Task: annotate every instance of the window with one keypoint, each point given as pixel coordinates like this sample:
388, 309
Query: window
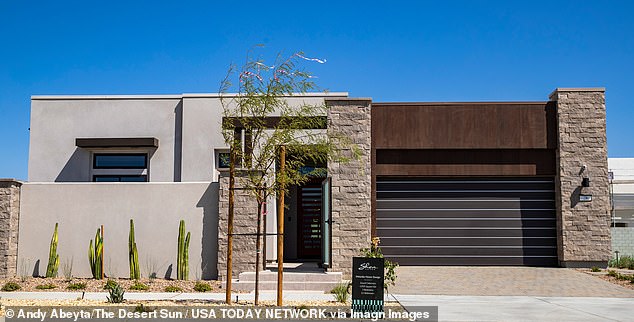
122, 178
120, 161
223, 159
120, 167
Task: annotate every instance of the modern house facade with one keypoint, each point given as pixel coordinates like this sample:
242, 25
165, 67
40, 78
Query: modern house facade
500, 183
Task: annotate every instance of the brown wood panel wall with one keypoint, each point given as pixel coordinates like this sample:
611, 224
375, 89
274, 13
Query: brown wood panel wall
464, 125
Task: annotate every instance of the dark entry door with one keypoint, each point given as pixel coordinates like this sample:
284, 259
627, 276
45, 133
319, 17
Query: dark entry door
309, 220
484, 221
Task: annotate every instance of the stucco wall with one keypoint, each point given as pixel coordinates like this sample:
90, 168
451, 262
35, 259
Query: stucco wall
80, 208
56, 123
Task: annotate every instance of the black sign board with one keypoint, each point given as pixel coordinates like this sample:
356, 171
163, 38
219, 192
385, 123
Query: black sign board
367, 284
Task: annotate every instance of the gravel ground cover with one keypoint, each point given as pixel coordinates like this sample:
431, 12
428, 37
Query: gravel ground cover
30, 284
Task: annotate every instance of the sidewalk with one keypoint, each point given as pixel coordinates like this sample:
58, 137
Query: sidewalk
450, 308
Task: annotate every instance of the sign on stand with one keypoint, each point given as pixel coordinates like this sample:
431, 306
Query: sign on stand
367, 284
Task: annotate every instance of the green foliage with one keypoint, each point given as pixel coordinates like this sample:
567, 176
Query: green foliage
95, 256
619, 276
173, 289
341, 292
623, 262
182, 259
202, 287
140, 308
139, 287
67, 269
10, 287
53, 257
109, 284
374, 251
133, 255
116, 294
262, 92
595, 269
49, 286
76, 286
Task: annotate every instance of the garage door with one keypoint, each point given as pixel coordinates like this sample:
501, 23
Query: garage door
467, 221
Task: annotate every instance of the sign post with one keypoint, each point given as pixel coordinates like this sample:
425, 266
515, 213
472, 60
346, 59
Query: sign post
367, 284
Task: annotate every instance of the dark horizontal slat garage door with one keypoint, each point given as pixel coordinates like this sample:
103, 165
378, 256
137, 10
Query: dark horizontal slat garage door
467, 221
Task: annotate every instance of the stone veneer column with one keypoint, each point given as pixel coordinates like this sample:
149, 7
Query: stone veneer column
244, 222
583, 228
9, 219
351, 182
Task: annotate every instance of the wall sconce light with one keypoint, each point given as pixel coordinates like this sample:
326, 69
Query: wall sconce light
585, 182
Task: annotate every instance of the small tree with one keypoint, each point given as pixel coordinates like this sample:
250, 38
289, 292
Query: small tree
260, 112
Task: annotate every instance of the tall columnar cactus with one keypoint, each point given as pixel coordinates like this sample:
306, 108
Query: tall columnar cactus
53, 257
135, 272
182, 260
95, 255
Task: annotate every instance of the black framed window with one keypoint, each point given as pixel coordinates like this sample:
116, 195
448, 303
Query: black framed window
120, 161
119, 178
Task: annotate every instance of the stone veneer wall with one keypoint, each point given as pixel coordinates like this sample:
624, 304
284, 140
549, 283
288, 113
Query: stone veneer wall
244, 222
351, 182
9, 219
583, 228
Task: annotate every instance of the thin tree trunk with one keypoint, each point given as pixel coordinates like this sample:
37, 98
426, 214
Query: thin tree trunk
280, 230
258, 244
232, 169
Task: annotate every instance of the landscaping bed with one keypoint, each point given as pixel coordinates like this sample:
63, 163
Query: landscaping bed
621, 277
36, 284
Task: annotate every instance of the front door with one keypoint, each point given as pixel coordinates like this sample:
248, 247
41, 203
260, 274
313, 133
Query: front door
309, 220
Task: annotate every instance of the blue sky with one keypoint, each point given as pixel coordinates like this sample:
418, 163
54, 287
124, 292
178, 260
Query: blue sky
387, 50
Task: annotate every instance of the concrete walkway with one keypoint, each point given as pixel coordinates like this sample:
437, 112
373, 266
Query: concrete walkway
450, 308
498, 281
523, 308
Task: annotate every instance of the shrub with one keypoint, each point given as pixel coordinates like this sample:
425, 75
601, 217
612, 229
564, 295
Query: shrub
140, 308
76, 286
139, 287
10, 287
612, 273
116, 294
390, 267
109, 285
624, 262
341, 292
595, 269
202, 287
49, 286
173, 289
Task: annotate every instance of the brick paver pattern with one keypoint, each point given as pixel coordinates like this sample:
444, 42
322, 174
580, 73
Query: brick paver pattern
502, 281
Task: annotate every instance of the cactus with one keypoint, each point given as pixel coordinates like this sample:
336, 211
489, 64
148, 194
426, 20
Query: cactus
95, 256
182, 260
135, 272
53, 257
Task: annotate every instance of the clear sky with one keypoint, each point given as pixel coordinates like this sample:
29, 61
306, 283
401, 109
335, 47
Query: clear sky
387, 50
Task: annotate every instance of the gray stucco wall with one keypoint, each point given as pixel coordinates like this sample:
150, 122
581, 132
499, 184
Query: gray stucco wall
80, 208
56, 123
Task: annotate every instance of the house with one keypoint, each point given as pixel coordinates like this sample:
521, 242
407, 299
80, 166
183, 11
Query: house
480, 183
622, 204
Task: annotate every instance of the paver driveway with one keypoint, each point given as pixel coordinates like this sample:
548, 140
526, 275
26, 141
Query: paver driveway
528, 281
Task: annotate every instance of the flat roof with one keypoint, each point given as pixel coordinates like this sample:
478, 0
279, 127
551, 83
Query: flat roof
170, 96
